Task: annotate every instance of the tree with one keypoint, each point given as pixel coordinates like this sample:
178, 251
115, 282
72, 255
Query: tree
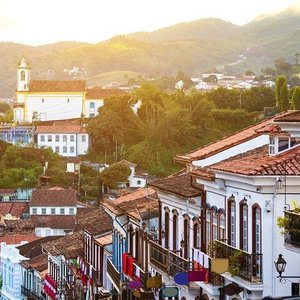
281, 93
282, 67
115, 174
249, 73
296, 98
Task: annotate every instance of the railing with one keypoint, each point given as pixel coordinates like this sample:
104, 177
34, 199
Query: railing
30, 294
142, 272
96, 276
113, 273
168, 261
245, 265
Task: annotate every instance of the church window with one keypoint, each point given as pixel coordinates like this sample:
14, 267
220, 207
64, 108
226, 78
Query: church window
22, 75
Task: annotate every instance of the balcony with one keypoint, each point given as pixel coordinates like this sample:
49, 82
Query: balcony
245, 265
113, 273
30, 294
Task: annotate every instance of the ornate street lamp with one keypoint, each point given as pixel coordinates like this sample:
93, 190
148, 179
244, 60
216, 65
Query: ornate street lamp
280, 265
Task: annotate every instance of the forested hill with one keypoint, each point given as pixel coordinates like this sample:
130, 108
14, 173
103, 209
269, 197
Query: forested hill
192, 47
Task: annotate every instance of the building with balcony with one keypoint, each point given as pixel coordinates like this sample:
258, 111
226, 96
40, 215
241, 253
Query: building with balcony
135, 224
242, 184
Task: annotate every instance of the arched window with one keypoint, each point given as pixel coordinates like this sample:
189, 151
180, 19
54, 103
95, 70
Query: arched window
22, 75
244, 225
207, 227
175, 229
231, 222
214, 225
256, 229
186, 227
196, 235
222, 226
167, 221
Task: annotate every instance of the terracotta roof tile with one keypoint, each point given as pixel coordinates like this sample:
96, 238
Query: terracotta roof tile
179, 184
96, 222
98, 93
39, 263
259, 162
105, 240
293, 116
16, 209
50, 86
54, 197
71, 246
229, 141
15, 239
144, 201
60, 129
204, 173
34, 248
55, 221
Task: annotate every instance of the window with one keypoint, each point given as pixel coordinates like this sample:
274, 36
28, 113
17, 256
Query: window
42, 138
34, 211
83, 138
49, 138
92, 106
64, 138
256, 231
68, 100
71, 211
52, 211
272, 145
207, 227
167, 216
22, 77
72, 139
57, 149
44, 211
72, 149
283, 143
244, 226
138, 182
196, 232
175, 225
294, 141
231, 222
222, 226
62, 211
214, 226
65, 149
43, 100
92, 115
186, 246
57, 138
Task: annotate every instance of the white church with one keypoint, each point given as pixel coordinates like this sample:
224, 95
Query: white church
48, 100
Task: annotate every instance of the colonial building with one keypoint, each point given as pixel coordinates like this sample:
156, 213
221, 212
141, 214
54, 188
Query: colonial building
53, 209
55, 99
68, 140
244, 182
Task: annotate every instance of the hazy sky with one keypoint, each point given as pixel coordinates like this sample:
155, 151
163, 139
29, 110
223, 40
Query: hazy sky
37, 22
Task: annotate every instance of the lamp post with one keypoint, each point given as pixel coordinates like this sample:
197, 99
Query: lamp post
280, 265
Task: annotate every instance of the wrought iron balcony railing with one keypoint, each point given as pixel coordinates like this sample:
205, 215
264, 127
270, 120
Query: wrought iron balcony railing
245, 265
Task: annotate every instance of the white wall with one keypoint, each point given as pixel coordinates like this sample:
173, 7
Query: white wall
88, 111
54, 106
47, 231
57, 210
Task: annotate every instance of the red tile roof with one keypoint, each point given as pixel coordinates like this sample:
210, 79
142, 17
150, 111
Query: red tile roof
259, 162
60, 129
55, 221
179, 184
39, 263
50, 86
229, 141
16, 209
142, 201
15, 239
98, 93
54, 197
294, 116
